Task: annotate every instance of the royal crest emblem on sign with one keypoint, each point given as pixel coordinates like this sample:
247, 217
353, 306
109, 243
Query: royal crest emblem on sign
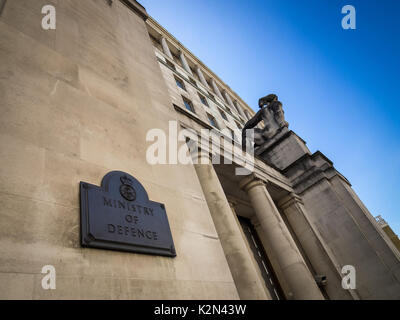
126, 189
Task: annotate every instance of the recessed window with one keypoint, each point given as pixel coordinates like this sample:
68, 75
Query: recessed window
188, 104
223, 115
203, 100
212, 121
180, 83
238, 125
232, 134
170, 64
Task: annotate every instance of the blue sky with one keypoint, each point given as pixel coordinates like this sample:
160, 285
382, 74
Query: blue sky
339, 88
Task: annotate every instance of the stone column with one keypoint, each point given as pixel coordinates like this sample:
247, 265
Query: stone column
184, 63
238, 257
229, 100
201, 77
216, 90
232, 204
166, 48
293, 266
239, 108
320, 257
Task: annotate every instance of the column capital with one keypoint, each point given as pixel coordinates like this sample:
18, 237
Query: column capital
290, 200
250, 182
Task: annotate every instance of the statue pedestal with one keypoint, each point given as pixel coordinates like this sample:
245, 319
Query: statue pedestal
283, 149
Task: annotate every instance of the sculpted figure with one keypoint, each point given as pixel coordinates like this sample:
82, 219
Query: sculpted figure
272, 114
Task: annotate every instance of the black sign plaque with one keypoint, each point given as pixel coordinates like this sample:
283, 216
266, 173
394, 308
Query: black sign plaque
119, 216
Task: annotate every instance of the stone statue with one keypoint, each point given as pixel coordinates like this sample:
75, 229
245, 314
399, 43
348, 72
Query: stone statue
272, 114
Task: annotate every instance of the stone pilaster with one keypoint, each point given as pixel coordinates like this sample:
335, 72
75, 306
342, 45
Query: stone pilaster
165, 47
229, 100
216, 89
293, 266
318, 254
184, 63
239, 108
238, 257
233, 204
201, 77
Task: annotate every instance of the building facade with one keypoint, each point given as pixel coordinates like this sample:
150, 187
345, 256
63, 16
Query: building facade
389, 232
79, 101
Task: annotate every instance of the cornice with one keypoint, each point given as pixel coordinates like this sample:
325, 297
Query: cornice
137, 8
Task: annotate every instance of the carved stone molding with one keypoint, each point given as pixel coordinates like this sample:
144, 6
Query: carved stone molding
136, 7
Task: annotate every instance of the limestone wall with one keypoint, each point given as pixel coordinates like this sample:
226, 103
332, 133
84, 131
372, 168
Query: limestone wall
75, 104
349, 230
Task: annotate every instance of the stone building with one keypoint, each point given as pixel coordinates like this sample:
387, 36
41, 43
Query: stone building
78, 102
389, 231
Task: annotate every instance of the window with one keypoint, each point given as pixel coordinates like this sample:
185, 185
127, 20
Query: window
232, 134
203, 100
211, 96
223, 115
238, 125
170, 64
188, 104
180, 83
212, 121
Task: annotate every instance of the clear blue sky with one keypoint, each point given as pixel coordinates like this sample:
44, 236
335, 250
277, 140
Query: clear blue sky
339, 88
